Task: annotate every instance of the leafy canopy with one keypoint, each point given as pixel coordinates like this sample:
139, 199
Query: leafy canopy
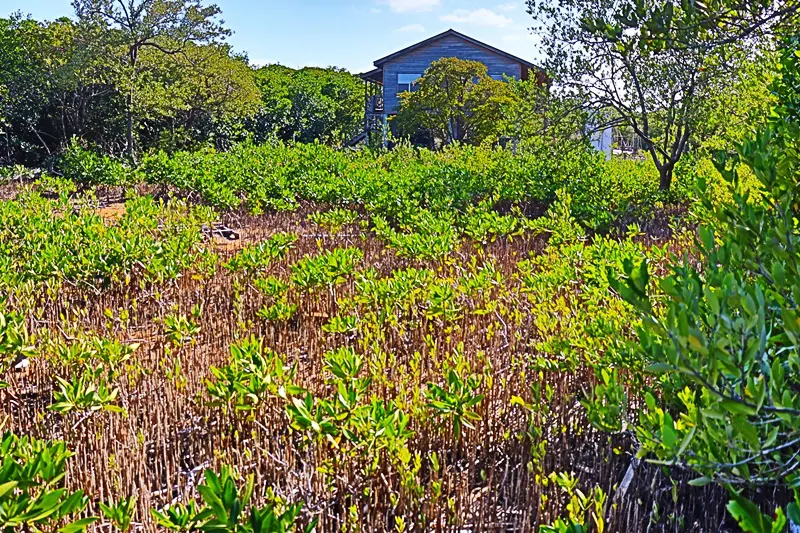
602, 53
455, 100
308, 104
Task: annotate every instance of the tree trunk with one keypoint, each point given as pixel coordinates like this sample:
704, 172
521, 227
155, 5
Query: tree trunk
129, 126
129, 148
665, 177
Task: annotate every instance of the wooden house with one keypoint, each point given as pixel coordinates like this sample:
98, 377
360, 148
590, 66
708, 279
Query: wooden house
397, 72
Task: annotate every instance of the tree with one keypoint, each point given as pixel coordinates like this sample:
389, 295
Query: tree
309, 104
455, 100
22, 86
274, 116
678, 24
737, 110
206, 93
63, 80
166, 26
538, 119
56, 86
724, 350
601, 52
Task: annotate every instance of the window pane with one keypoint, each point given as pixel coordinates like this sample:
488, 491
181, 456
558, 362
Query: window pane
407, 79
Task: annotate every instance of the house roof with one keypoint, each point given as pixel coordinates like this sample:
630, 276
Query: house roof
375, 75
453, 33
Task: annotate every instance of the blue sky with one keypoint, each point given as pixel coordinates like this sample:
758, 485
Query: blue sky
346, 33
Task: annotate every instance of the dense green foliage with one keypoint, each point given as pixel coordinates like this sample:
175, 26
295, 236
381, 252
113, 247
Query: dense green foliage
455, 100
456, 182
165, 80
309, 104
151, 242
52, 87
199, 97
62, 81
161, 28
723, 340
32, 493
727, 340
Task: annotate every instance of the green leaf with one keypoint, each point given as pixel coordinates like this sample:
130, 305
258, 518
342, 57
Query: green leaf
213, 502
6, 487
779, 523
748, 515
640, 277
793, 512
78, 525
736, 407
687, 439
706, 237
660, 368
668, 435
779, 273
650, 401
700, 481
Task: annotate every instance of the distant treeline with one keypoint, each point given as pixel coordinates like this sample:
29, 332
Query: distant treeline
125, 91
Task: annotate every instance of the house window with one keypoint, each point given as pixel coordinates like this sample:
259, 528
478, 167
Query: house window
407, 82
498, 77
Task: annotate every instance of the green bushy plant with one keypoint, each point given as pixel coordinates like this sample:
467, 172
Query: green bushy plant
580, 507
226, 508
424, 236
334, 219
728, 340
153, 241
724, 344
120, 513
327, 269
254, 375
88, 168
459, 182
455, 400
257, 257
32, 493
15, 341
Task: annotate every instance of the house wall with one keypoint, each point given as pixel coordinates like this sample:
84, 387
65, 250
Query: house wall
417, 61
602, 141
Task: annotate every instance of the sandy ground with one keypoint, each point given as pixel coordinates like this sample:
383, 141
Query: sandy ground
111, 213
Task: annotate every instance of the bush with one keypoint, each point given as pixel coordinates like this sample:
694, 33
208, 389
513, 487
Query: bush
458, 182
88, 168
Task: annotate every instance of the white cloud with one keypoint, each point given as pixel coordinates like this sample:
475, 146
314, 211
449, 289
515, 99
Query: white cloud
510, 6
478, 17
409, 6
411, 28
374, 10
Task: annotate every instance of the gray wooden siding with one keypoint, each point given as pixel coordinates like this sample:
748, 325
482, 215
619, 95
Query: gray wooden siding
417, 61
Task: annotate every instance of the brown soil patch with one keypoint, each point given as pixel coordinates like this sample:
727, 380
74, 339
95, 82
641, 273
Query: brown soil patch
111, 213
8, 191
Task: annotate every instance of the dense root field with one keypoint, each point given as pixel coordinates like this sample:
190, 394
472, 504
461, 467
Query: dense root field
385, 393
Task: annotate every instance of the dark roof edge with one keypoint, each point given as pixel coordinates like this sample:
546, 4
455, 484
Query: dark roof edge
372, 75
454, 33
